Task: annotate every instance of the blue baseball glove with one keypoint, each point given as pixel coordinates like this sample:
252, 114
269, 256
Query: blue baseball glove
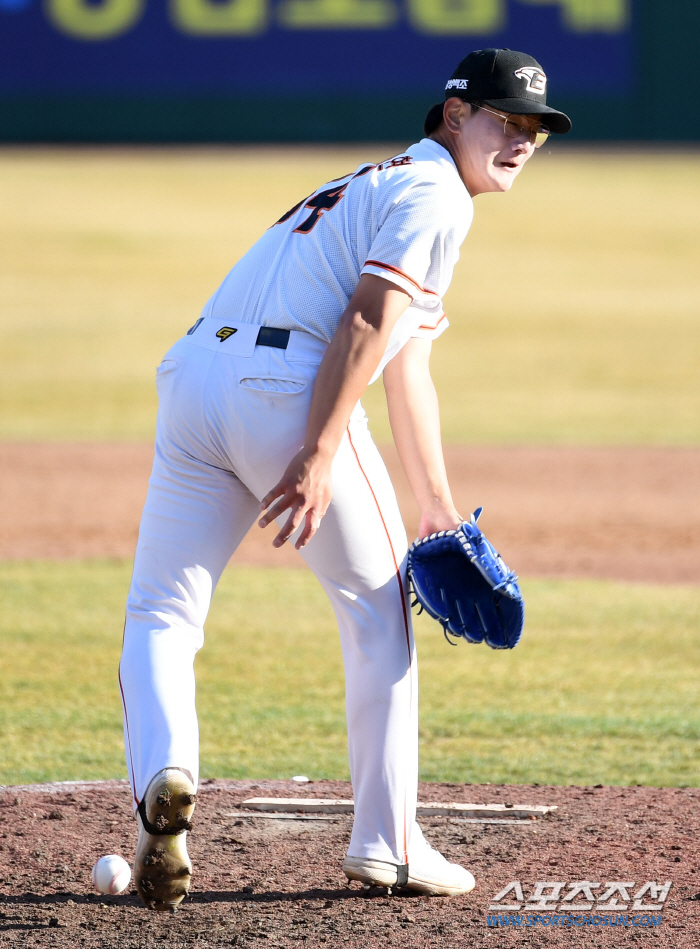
461, 581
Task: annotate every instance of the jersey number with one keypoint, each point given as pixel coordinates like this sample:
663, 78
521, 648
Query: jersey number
323, 201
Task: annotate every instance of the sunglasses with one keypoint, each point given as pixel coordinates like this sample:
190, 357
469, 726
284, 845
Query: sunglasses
516, 125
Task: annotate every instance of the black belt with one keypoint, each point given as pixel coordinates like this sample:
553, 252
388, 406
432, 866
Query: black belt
279, 339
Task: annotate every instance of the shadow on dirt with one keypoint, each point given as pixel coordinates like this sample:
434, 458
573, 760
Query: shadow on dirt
210, 896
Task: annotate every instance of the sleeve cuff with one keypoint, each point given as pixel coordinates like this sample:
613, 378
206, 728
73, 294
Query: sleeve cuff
431, 327
395, 275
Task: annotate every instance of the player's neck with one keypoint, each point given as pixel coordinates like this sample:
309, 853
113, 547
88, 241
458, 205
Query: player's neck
443, 137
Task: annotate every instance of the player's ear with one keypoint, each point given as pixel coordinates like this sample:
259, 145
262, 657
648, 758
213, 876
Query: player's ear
455, 112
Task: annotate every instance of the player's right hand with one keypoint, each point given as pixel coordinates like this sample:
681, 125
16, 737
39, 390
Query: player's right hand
306, 490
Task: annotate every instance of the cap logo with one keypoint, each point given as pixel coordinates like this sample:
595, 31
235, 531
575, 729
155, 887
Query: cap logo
457, 84
535, 79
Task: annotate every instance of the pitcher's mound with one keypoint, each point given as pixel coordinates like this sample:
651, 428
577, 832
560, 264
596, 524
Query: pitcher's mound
268, 881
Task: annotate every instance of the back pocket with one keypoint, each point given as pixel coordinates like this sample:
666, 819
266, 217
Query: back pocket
268, 384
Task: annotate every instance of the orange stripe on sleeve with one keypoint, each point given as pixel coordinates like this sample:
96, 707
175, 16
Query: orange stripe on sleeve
426, 327
392, 269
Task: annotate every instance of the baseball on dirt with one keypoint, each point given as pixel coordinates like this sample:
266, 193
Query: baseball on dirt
111, 874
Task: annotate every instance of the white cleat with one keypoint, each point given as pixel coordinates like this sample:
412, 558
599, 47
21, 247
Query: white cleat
428, 873
162, 867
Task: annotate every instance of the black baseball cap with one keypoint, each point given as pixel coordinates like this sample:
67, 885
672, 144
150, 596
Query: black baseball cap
505, 80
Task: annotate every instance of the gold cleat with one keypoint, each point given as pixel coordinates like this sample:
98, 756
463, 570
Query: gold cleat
162, 867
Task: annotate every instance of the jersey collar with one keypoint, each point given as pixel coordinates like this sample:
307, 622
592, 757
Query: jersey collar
431, 150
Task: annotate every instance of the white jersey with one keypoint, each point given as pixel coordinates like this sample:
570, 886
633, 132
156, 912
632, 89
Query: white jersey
403, 220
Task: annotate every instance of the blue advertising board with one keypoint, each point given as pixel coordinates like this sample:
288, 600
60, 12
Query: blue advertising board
302, 47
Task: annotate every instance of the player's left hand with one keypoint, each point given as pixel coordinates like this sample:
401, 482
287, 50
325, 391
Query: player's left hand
306, 489
439, 518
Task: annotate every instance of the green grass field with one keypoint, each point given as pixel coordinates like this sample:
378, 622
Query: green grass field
575, 315
603, 687
575, 309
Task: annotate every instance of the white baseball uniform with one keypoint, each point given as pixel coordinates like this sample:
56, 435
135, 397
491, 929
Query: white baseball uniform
232, 415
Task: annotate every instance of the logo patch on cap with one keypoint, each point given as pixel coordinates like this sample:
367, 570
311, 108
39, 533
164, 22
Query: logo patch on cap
457, 84
535, 79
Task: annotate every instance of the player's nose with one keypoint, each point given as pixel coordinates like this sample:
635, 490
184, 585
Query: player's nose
522, 144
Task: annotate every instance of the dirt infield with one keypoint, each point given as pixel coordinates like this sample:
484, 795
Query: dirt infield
279, 882
619, 513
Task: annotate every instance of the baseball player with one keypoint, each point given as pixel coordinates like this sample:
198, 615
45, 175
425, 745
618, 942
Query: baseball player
260, 419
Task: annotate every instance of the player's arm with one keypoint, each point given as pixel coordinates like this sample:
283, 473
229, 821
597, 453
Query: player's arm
348, 364
415, 423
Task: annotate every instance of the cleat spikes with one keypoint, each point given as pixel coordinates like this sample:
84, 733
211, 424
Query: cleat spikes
162, 867
182, 822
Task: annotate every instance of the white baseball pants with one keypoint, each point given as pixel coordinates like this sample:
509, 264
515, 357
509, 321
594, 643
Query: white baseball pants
232, 415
